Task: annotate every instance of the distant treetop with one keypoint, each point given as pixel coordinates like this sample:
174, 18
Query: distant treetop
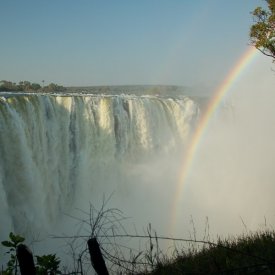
26, 86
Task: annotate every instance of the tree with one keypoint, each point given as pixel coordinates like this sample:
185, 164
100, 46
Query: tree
54, 88
262, 33
35, 86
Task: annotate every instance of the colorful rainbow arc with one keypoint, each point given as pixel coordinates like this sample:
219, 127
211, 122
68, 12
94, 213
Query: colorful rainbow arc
190, 154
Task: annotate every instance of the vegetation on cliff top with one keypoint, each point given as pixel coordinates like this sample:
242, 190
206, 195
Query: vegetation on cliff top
253, 253
248, 254
26, 86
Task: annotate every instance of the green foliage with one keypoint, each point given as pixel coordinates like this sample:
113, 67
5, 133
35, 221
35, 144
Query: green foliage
262, 33
12, 243
47, 264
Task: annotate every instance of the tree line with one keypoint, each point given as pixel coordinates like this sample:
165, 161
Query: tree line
26, 86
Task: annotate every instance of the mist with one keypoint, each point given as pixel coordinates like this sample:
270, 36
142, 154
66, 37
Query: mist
230, 186
232, 178
231, 181
229, 189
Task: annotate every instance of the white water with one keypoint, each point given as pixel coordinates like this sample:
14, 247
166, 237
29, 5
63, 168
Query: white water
59, 152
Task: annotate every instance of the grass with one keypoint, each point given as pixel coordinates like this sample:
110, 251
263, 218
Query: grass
248, 254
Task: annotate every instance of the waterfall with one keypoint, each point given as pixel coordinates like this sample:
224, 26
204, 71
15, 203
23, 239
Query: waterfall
52, 146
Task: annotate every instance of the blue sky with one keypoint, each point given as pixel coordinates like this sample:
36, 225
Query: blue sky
121, 42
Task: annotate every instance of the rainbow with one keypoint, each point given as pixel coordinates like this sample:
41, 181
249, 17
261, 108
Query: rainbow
192, 149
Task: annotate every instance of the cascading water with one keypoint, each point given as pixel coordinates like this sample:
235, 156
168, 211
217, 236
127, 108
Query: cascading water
56, 148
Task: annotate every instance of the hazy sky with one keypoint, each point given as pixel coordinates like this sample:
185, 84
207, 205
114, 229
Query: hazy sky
101, 42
